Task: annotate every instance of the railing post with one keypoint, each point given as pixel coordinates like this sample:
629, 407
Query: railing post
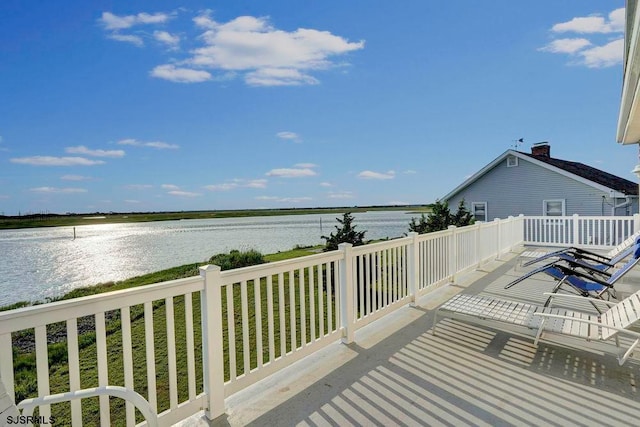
346, 293
212, 353
636, 223
510, 238
498, 237
414, 267
576, 230
521, 227
453, 252
478, 226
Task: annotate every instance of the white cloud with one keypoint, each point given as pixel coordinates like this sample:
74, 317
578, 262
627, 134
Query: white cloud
410, 172
132, 201
56, 161
127, 38
306, 165
238, 183
340, 195
604, 56
57, 190
591, 52
170, 187
111, 21
326, 184
566, 45
81, 149
221, 187
75, 178
246, 45
294, 199
179, 193
170, 40
156, 144
291, 172
268, 56
256, 183
292, 136
138, 186
376, 175
285, 199
594, 24
279, 77
180, 75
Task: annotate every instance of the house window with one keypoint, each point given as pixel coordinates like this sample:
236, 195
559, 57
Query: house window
512, 161
479, 211
553, 207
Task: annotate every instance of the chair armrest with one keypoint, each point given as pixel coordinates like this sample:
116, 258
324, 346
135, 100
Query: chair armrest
571, 272
579, 297
28, 405
579, 263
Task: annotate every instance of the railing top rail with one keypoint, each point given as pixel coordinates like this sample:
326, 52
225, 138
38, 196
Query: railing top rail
380, 246
581, 217
58, 311
261, 270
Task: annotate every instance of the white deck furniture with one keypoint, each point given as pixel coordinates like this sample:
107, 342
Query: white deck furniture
614, 322
10, 413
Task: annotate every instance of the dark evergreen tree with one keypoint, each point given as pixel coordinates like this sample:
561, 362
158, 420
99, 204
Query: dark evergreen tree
441, 218
419, 226
463, 216
345, 233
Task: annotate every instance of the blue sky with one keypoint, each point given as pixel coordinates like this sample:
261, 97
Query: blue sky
161, 105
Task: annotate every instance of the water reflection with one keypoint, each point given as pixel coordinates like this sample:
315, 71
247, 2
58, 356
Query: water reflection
46, 262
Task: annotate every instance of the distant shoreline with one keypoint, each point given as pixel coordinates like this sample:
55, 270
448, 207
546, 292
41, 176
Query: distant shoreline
66, 220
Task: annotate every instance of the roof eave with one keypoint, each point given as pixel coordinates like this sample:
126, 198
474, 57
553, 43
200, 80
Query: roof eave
628, 131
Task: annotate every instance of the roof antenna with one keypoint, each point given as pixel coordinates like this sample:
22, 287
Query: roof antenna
517, 142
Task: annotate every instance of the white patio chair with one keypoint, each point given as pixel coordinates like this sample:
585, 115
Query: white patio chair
22, 413
490, 311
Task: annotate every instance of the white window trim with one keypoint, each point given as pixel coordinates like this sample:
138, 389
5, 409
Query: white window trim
484, 205
544, 206
512, 161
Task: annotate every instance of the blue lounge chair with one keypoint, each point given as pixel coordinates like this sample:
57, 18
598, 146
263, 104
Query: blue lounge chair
619, 253
585, 279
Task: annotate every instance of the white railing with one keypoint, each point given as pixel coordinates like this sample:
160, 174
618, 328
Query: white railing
583, 231
210, 336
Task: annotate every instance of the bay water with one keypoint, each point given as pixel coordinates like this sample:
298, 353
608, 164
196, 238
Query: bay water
39, 263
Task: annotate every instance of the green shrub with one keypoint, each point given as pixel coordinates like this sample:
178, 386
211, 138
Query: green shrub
237, 259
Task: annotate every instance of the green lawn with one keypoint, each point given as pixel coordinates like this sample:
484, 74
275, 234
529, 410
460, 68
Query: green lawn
24, 361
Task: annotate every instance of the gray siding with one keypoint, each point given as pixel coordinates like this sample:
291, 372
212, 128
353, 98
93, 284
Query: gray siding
521, 190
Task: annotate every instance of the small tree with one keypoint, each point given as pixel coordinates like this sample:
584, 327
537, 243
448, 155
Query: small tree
346, 233
441, 218
463, 216
419, 226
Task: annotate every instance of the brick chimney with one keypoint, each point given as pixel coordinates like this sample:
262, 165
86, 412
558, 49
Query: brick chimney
541, 149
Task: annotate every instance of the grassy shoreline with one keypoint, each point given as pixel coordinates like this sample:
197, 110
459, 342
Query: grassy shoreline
56, 220
25, 357
173, 273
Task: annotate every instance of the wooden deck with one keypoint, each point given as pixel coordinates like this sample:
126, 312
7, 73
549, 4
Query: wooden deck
398, 373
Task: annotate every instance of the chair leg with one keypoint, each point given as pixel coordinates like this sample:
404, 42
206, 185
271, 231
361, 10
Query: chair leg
629, 352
